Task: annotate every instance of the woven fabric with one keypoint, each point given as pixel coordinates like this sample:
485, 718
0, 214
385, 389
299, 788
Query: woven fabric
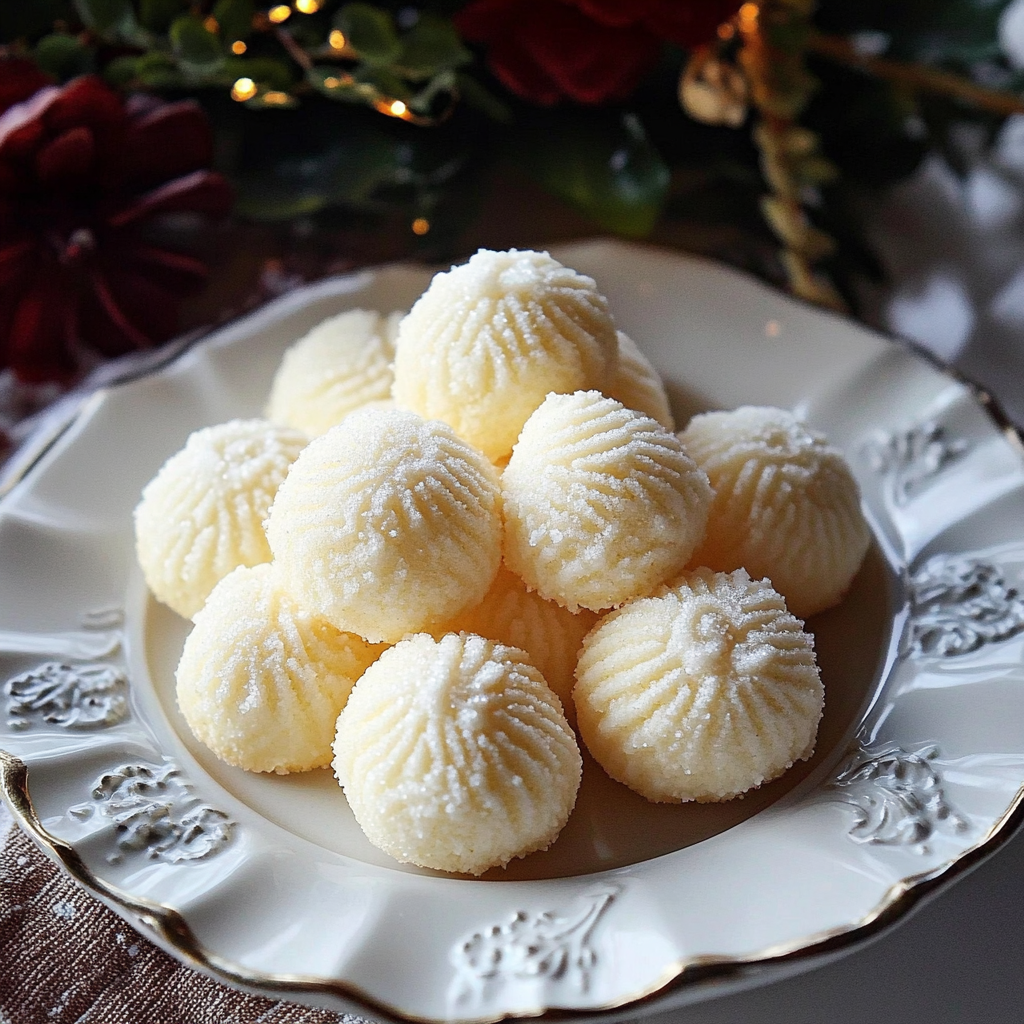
66, 959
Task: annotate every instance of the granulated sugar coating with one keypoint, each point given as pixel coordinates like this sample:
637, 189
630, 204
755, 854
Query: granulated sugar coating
342, 364
202, 514
456, 755
489, 339
260, 681
387, 524
601, 503
701, 692
786, 505
638, 385
549, 634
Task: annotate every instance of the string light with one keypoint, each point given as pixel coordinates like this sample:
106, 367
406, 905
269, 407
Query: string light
279, 14
748, 15
420, 226
726, 30
337, 40
307, 6
238, 47
243, 89
211, 25
275, 98
331, 82
397, 108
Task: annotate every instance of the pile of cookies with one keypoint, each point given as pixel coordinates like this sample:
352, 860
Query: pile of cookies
463, 534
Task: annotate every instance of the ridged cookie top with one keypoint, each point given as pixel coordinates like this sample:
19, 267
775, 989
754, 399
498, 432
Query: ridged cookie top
638, 385
601, 502
387, 524
343, 363
489, 339
202, 514
456, 755
550, 634
701, 692
786, 504
260, 681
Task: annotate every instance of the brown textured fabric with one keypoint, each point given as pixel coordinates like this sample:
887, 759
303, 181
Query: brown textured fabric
66, 959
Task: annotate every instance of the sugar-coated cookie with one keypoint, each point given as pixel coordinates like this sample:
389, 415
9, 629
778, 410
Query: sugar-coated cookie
701, 692
489, 339
202, 514
342, 364
387, 524
638, 385
261, 682
601, 503
786, 504
455, 754
550, 634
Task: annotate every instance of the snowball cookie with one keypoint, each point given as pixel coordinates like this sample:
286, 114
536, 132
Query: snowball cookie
549, 634
202, 514
488, 340
701, 692
786, 505
637, 384
601, 502
456, 755
261, 681
387, 524
342, 364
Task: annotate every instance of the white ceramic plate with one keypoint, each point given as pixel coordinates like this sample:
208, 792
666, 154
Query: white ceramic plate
268, 882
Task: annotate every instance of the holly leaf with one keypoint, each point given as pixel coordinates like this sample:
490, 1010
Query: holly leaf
370, 32
198, 49
430, 46
234, 18
604, 166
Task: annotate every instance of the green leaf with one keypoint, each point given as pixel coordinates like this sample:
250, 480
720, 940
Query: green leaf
122, 71
62, 56
370, 32
267, 71
430, 46
157, 15
385, 81
158, 71
198, 49
606, 167
112, 19
234, 18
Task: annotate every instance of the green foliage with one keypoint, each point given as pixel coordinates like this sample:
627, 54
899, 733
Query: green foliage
370, 32
157, 15
603, 165
430, 46
110, 19
198, 49
62, 56
234, 18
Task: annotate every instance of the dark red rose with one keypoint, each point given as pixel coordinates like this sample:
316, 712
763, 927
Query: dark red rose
584, 50
84, 179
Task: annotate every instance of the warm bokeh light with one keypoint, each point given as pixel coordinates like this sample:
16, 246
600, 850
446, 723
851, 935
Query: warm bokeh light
337, 39
397, 108
332, 82
726, 30
772, 329
275, 98
211, 25
243, 89
748, 16
420, 226
280, 13
238, 47
307, 6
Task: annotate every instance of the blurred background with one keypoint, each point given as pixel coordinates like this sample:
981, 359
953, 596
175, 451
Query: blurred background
167, 164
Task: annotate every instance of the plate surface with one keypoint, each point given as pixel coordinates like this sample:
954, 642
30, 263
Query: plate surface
268, 882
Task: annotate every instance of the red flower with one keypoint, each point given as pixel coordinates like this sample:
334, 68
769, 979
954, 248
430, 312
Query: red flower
586, 50
84, 179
